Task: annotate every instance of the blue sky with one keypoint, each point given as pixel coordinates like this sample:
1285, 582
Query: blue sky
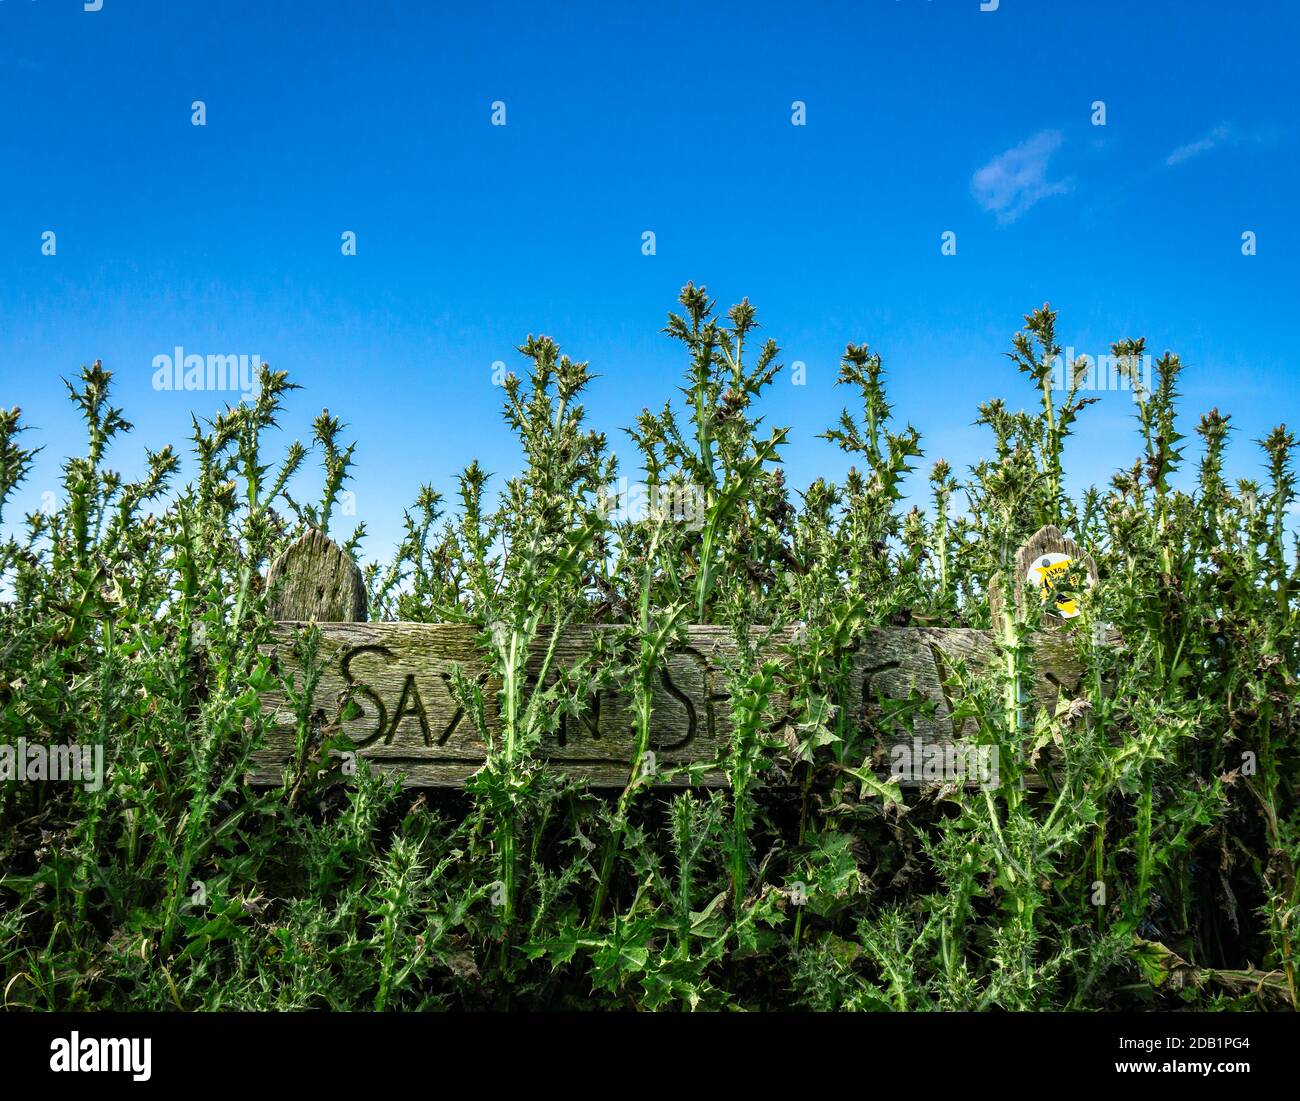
921, 118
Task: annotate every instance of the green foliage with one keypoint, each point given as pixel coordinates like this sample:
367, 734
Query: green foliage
1139, 847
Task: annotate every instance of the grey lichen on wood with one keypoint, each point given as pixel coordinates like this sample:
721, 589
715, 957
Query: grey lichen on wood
316, 579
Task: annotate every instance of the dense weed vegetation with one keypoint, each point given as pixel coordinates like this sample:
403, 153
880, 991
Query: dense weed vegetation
1155, 867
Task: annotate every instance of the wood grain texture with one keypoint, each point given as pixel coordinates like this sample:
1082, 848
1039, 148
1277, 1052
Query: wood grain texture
405, 718
316, 579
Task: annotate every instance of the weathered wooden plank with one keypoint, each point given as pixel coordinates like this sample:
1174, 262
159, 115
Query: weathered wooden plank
398, 676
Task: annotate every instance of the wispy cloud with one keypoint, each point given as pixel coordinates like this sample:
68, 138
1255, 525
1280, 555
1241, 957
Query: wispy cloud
1223, 134
1215, 137
1014, 181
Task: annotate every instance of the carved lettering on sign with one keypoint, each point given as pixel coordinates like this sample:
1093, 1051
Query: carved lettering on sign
388, 687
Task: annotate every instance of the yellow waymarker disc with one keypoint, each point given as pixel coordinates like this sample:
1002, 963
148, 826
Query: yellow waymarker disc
1053, 565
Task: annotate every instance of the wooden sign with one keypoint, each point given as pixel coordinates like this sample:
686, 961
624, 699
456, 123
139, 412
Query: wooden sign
388, 688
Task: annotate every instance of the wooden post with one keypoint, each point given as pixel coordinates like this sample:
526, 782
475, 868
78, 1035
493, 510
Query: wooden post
316, 579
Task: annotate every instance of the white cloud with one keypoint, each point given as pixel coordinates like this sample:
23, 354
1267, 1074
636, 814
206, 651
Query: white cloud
1223, 134
1217, 136
1014, 181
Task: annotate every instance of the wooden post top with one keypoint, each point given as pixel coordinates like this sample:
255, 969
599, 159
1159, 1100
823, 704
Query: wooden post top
315, 578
